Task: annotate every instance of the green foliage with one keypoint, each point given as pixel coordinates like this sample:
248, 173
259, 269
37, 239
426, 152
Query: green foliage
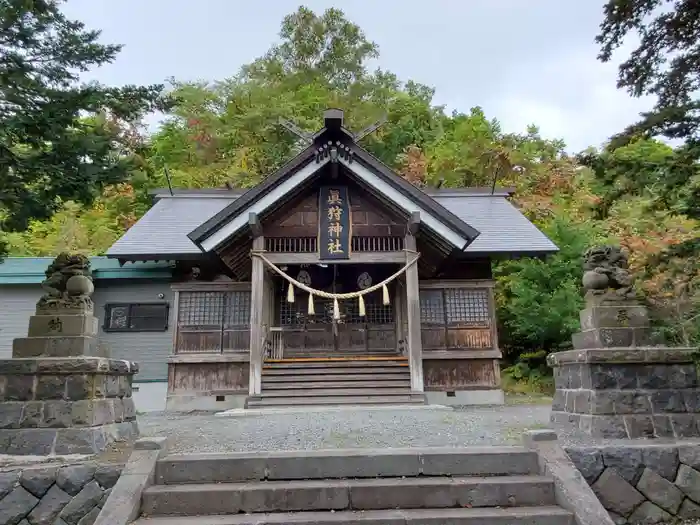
49, 151
528, 364
530, 373
669, 177
539, 300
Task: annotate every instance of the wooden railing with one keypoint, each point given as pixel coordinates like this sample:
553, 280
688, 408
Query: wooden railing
275, 344
310, 244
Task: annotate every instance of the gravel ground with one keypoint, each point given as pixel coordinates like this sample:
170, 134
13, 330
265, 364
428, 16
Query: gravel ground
346, 429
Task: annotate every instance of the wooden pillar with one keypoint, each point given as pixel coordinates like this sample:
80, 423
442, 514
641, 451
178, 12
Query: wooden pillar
494, 334
257, 299
175, 320
398, 312
415, 346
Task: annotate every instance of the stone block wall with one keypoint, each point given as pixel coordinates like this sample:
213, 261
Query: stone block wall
65, 406
56, 494
627, 393
643, 483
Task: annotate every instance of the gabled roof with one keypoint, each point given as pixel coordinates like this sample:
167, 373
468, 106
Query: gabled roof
187, 223
359, 163
205, 230
162, 231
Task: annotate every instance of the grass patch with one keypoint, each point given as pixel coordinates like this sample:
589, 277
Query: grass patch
527, 399
527, 392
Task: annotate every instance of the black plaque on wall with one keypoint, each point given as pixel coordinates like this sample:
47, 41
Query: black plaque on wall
334, 224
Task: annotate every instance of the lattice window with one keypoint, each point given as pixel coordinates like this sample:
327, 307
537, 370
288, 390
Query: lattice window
376, 312
214, 308
237, 309
200, 308
467, 306
432, 307
296, 313
450, 306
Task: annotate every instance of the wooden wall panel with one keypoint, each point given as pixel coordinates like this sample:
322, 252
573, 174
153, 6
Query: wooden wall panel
300, 219
208, 378
440, 375
467, 269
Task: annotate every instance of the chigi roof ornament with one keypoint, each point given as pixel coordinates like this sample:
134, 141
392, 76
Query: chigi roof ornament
333, 122
334, 151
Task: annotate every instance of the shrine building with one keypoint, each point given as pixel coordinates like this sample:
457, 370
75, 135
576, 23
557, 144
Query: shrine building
333, 281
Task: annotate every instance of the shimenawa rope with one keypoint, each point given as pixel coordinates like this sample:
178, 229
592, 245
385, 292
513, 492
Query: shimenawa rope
336, 296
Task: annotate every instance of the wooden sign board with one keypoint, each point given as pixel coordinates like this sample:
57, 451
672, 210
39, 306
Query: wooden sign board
334, 223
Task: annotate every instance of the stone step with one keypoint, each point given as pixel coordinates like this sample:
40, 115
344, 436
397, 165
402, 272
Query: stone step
341, 464
341, 382
347, 494
333, 391
359, 351
340, 363
279, 402
540, 515
399, 376
333, 370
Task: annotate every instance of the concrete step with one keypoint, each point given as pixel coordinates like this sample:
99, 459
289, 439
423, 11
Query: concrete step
278, 402
343, 464
321, 376
341, 383
541, 515
333, 370
348, 494
335, 392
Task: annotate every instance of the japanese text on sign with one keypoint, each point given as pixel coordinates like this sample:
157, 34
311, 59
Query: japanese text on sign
334, 223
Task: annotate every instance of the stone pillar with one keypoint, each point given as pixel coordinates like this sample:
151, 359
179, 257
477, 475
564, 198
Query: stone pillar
616, 383
60, 393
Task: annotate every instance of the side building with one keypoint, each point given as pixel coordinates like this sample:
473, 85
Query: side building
133, 303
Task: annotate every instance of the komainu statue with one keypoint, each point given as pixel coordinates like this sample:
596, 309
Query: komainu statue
68, 283
606, 275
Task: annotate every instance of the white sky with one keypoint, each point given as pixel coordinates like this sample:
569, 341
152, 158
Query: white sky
524, 62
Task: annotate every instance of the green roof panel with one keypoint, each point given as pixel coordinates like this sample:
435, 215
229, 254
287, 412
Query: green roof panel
30, 270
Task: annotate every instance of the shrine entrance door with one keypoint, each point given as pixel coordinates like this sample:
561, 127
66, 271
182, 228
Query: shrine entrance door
320, 334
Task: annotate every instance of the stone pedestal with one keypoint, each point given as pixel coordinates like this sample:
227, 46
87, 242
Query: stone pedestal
59, 405
61, 393
615, 385
56, 332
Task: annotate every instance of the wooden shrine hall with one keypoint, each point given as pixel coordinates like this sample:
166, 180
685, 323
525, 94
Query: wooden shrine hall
333, 281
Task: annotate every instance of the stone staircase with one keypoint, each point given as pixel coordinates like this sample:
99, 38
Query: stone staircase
471, 486
358, 381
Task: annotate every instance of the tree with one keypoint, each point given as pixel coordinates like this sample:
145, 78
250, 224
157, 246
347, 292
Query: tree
329, 48
539, 300
59, 140
665, 64
231, 126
